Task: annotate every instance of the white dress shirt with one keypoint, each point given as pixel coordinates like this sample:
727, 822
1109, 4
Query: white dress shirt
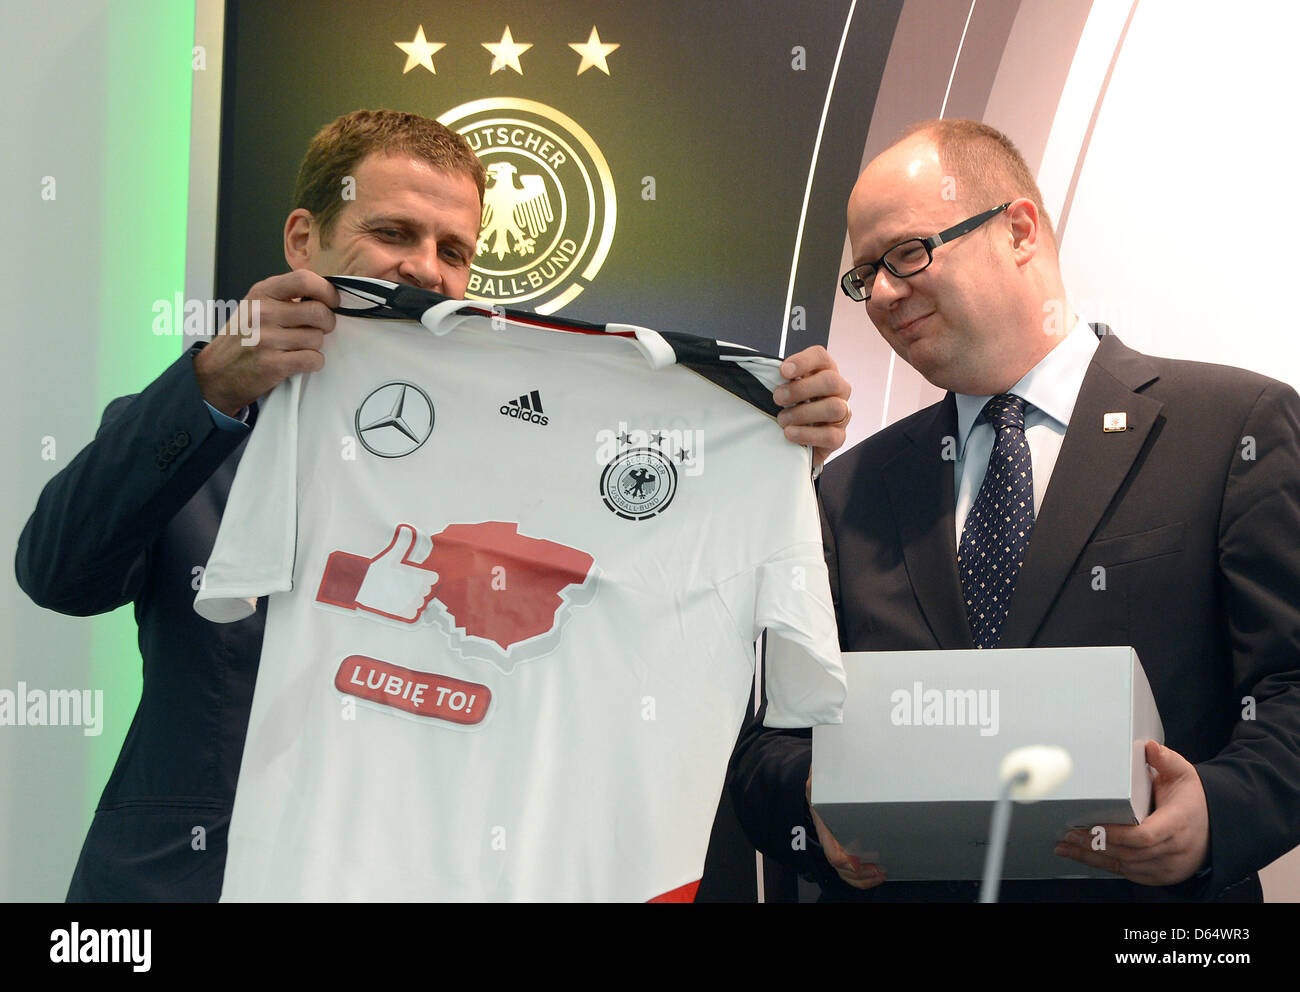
1049, 390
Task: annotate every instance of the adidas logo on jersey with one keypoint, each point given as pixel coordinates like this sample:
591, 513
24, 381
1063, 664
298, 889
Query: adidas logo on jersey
527, 408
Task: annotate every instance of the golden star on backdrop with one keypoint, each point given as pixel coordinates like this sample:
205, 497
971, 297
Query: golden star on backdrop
593, 52
419, 52
506, 52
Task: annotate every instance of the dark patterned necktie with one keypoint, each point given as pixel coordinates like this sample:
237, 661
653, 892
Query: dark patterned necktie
996, 535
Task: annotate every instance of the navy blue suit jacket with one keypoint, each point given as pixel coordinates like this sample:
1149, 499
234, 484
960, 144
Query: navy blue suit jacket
1194, 513
128, 521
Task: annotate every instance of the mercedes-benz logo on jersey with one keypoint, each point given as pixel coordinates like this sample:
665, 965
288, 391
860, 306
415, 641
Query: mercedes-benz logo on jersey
394, 419
549, 209
638, 483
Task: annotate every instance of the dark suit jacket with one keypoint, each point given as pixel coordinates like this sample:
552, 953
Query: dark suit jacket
1194, 512
128, 521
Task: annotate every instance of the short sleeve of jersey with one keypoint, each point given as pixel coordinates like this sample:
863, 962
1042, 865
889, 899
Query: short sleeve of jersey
254, 552
805, 681
788, 594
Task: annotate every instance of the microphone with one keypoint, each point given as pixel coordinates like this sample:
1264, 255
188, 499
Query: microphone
1028, 774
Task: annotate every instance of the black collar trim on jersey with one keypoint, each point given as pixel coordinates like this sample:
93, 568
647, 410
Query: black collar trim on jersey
717, 362
410, 303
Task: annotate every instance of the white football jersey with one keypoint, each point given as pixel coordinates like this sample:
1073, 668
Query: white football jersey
515, 568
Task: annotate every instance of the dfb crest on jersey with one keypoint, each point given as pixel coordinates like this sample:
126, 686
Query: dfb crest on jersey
395, 419
549, 209
638, 483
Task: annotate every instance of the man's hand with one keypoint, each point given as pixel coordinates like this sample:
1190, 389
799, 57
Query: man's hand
848, 867
1170, 845
237, 367
816, 402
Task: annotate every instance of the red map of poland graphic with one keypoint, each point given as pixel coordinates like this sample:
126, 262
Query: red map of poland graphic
495, 583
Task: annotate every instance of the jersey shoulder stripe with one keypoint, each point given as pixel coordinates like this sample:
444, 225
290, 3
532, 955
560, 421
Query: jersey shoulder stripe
743, 372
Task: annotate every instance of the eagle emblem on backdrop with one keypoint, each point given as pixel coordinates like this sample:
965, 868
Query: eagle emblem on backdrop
516, 209
549, 209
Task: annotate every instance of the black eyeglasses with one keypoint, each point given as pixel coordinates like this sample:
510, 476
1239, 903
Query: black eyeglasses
908, 258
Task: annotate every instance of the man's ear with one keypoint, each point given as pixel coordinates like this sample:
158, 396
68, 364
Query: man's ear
1025, 231
301, 238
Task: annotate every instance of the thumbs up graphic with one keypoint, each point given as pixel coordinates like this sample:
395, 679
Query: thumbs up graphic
391, 584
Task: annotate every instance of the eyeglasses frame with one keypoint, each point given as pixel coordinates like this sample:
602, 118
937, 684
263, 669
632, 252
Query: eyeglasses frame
929, 244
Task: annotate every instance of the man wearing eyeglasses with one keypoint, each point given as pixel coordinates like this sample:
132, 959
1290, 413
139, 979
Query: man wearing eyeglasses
983, 520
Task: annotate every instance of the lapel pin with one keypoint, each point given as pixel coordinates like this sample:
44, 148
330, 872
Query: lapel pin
1111, 422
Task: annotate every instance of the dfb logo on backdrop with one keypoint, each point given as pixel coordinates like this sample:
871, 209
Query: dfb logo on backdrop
549, 210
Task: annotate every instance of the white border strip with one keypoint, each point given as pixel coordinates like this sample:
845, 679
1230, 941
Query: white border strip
956, 58
205, 153
1087, 94
760, 646
812, 170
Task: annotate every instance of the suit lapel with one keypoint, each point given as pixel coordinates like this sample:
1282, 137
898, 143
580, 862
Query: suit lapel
919, 481
1089, 471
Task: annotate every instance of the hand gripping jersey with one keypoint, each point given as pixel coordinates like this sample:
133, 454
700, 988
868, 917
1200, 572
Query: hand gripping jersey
515, 570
